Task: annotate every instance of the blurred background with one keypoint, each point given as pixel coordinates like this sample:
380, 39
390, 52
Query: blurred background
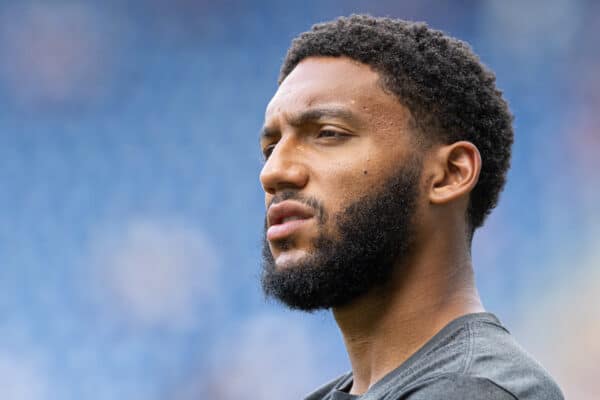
131, 211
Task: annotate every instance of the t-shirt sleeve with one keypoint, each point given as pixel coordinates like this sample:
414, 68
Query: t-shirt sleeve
457, 387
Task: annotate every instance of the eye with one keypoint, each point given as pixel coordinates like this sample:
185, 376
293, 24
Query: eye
329, 133
268, 150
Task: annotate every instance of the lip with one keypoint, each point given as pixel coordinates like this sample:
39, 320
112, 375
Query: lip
286, 209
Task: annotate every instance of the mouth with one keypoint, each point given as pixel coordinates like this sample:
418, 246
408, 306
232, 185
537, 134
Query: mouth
286, 218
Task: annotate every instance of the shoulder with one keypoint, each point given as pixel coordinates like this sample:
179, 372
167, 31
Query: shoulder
457, 387
496, 356
475, 358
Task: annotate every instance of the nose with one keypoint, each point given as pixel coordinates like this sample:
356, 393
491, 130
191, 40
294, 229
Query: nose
284, 169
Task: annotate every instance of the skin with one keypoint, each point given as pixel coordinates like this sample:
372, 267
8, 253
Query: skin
332, 132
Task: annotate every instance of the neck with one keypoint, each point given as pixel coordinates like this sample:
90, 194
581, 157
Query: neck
383, 328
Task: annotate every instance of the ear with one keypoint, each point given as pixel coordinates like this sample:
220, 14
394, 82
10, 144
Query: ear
456, 170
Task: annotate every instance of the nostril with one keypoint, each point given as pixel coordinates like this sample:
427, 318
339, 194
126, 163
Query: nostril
269, 190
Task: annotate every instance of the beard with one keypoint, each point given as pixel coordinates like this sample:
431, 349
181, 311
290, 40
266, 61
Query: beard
373, 236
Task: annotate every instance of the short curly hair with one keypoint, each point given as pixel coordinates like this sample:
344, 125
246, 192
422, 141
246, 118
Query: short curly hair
451, 95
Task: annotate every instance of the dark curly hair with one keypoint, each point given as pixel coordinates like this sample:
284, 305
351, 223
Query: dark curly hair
451, 95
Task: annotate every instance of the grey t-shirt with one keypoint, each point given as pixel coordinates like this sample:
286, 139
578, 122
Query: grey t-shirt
473, 357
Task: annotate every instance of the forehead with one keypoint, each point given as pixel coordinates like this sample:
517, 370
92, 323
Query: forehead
332, 81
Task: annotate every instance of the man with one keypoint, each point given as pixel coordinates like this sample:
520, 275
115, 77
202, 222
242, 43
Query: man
386, 145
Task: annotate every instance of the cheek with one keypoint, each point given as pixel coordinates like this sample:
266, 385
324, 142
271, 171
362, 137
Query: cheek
357, 172
345, 185
363, 173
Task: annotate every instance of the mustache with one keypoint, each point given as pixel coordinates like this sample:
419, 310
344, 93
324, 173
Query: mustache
309, 201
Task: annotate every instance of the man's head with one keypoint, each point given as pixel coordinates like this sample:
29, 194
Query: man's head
379, 129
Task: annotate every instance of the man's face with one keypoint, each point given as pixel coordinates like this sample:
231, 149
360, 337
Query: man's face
341, 184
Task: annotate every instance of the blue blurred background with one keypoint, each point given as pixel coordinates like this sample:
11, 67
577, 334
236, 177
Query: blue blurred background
131, 211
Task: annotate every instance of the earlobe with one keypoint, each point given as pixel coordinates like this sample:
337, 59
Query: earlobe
456, 172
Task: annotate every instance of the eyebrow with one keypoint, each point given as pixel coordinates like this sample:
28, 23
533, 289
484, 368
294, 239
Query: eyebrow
312, 115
